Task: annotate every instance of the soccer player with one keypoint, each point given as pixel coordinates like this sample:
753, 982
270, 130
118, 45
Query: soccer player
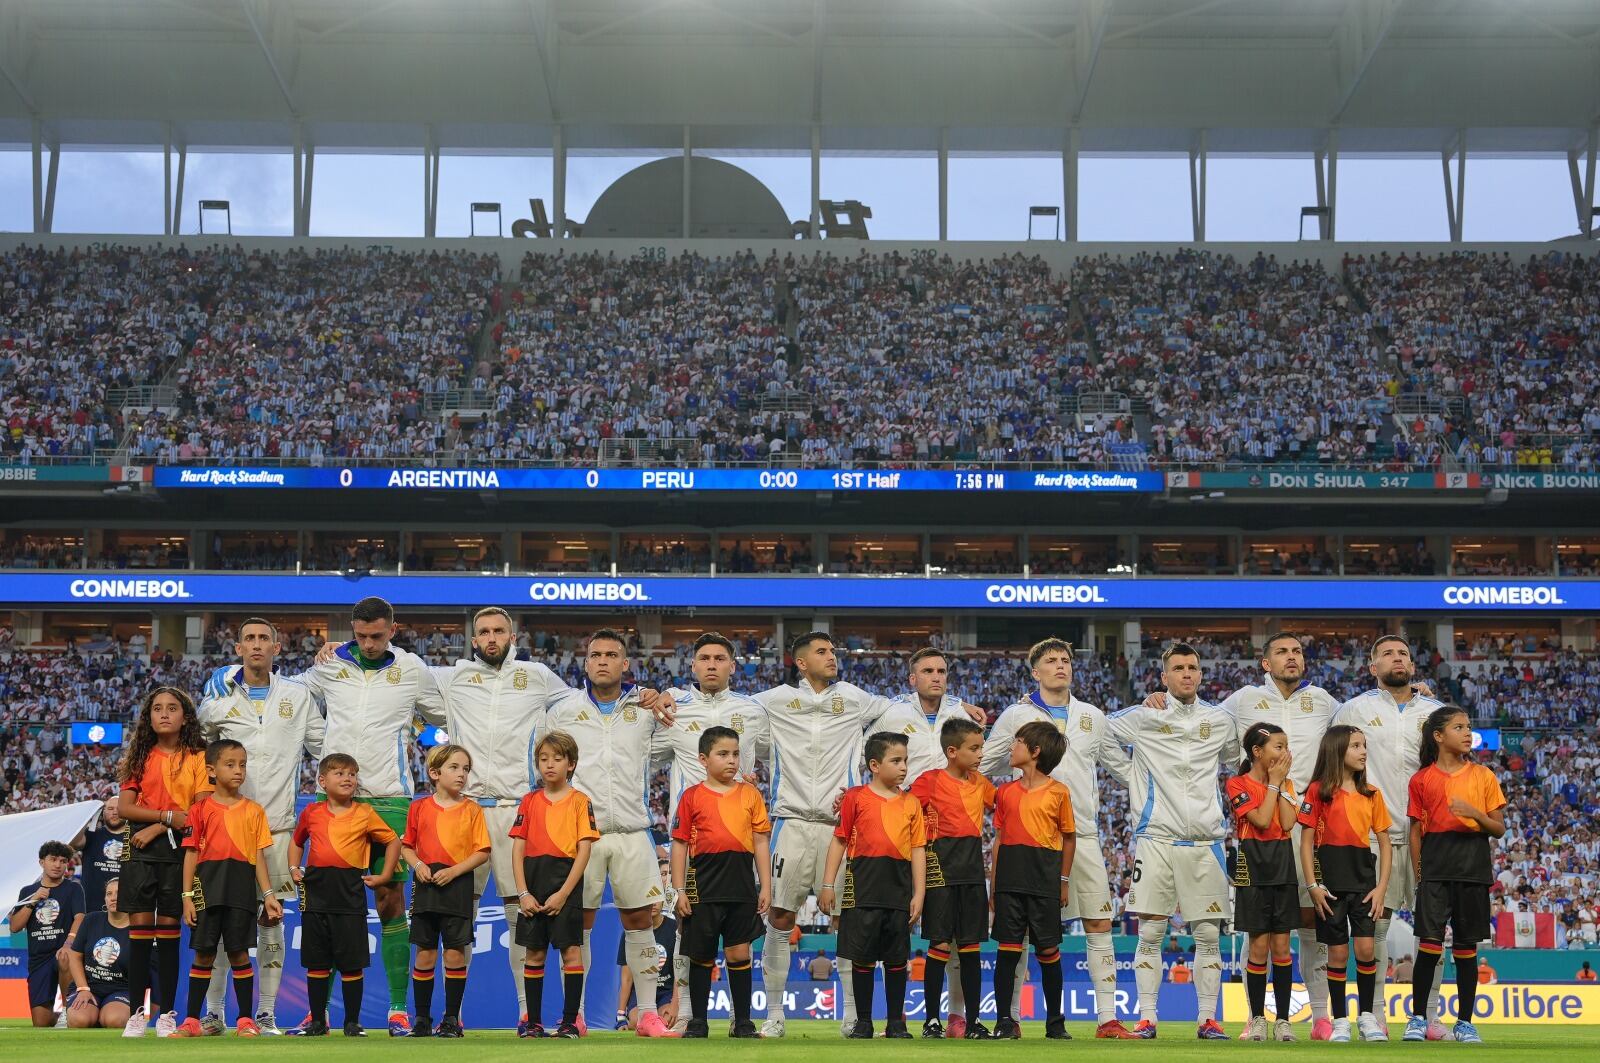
880, 829
1262, 799
615, 732
49, 911
552, 836
920, 712
277, 722
1178, 856
163, 774
1089, 745
98, 962
335, 838
722, 873
1392, 716
955, 910
1348, 819
1455, 806
1034, 838
445, 841
1285, 699
226, 873
707, 702
816, 724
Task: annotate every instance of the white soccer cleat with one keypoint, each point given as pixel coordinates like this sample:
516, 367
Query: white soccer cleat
1282, 1031
772, 1028
1255, 1029
212, 1024
136, 1025
166, 1024
1371, 1028
1341, 1032
61, 1018
267, 1024
680, 1024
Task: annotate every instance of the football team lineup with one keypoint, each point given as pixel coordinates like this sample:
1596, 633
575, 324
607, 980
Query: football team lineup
1343, 815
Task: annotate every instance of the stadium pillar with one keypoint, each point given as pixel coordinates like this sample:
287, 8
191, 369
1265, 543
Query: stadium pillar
176, 214
48, 221
816, 181
166, 182
1069, 186
558, 181
1333, 184
38, 175
1197, 186
1455, 199
944, 183
688, 168
430, 183
1583, 186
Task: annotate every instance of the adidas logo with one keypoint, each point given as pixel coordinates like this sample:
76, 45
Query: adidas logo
655, 891
1105, 907
1215, 907
1142, 965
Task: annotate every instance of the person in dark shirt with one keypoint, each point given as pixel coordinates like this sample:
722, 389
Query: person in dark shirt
49, 911
98, 962
100, 850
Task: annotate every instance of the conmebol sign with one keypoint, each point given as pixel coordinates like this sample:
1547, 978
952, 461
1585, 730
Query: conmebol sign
33, 589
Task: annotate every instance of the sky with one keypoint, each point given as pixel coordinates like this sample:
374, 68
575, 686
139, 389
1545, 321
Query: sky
1144, 199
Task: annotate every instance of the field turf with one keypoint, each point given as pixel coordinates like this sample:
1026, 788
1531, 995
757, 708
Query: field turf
806, 1042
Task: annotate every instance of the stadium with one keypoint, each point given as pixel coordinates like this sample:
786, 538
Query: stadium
721, 316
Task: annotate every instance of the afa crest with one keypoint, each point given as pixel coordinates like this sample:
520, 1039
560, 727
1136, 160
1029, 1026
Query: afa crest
286, 709
1306, 703
836, 705
737, 723
392, 676
1205, 729
519, 680
1084, 725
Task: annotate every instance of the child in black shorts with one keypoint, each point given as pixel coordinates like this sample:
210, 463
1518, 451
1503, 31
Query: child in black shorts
1267, 896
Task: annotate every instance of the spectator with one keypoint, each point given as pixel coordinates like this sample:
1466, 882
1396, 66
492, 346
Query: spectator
821, 968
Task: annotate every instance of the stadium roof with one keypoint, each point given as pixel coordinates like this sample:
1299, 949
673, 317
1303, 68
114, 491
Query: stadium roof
986, 76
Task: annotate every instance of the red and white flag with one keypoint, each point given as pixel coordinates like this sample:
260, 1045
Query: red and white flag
1526, 930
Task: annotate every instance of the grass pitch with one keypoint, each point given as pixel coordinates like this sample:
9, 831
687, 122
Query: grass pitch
1537, 1043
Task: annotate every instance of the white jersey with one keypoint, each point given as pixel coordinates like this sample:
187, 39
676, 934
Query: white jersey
1394, 746
907, 717
495, 714
613, 754
1089, 742
371, 714
1304, 715
816, 745
694, 710
1176, 754
276, 732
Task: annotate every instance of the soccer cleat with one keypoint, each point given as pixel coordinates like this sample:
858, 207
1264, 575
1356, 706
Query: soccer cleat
1113, 1030
857, 1031
772, 1028
354, 1029
567, 1031
531, 1029
423, 1028
896, 1029
1467, 1034
136, 1025
1282, 1031
267, 1024
1145, 1030
1056, 1030
522, 1025
399, 1024
188, 1028
1211, 1030
696, 1030
246, 1027
449, 1026
1341, 1032
317, 1028
299, 1031
680, 1025
581, 1026
166, 1024
650, 1025
1006, 1029
976, 1031
742, 1029
61, 1018
1416, 1029
212, 1024
956, 1028
1321, 1029
1436, 1031
622, 1021
931, 1030
1371, 1029
1255, 1029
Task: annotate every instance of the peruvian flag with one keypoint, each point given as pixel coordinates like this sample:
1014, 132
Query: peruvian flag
1526, 930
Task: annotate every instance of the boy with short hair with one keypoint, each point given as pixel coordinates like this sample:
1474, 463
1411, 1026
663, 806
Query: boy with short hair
552, 835
719, 855
955, 912
223, 870
881, 831
335, 837
446, 839
50, 910
1035, 839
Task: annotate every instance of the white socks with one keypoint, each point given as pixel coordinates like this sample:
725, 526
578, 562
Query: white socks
1022, 980
644, 960
516, 952
1102, 963
680, 978
269, 966
952, 986
583, 998
1147, 970
1380, 956
1208, 966
775, 970
1314, 966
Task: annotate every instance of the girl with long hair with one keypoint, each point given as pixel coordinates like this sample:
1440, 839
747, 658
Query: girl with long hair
1267, 904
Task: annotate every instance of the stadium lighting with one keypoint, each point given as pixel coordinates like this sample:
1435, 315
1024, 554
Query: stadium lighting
1044, 212
215, 204
485, 208
1321, 214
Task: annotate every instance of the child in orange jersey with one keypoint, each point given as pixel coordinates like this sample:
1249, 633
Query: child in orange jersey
722, 872
445, 839
1035, 839
882, 832
223, 870
1266, 905
552, 835
163, 773
336, 837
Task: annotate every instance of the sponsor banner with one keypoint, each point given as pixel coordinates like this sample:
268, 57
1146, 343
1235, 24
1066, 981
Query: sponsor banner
1501, 1003
1333, 480
12, 475
672, 480
28, 589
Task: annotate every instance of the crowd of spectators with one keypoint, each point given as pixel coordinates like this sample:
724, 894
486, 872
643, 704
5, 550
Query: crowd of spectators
1549, 858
